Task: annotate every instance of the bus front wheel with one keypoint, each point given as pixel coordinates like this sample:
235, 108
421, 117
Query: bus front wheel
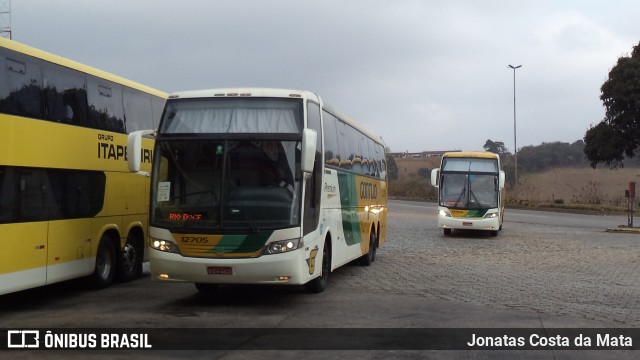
319, 284
447, 231
105, 264
130, 261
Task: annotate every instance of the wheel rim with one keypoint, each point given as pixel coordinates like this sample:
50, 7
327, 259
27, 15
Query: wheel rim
129, 257
104, 264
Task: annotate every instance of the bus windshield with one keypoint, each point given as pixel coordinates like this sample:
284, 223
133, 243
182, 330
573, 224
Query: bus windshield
234, 185
469, 191
228, 164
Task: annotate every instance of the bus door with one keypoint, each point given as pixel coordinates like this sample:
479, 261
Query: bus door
67, 199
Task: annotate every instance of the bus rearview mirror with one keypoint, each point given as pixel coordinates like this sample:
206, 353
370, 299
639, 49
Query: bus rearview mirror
134, 149
435, 174
309, 141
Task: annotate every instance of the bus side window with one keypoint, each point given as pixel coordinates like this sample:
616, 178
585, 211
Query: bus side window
138, 112
7, 194
65, 95
105, 105
313, 190
21, 93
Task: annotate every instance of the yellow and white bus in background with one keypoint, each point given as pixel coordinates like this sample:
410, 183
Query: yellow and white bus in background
262, 186
470, 191
69, 207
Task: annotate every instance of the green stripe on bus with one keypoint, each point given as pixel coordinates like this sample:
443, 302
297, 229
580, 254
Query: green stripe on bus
241, 243
477, 213
349, 204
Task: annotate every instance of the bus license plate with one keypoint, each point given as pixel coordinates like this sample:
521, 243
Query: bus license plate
466, 223
219, 270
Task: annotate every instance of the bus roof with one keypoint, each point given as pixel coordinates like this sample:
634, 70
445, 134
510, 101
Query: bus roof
355, 124
59, 60
471, 154
273, 92
245, 92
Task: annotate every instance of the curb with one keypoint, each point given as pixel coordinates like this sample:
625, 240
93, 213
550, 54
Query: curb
625, 230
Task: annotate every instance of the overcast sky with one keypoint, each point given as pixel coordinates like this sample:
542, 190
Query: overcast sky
426, 75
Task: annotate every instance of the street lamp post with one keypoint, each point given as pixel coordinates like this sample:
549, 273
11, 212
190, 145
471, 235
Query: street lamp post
515, 143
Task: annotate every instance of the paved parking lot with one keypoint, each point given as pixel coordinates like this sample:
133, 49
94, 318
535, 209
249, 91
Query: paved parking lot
542, 271
580, 271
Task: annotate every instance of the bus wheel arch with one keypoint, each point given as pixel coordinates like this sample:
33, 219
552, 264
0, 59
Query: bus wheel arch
129, 265
319, 284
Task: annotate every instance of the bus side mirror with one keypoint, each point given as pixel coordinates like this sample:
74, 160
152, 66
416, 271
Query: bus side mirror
309, 141
501, 180
435, 176
134, 149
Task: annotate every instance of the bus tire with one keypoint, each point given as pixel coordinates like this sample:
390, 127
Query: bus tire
319, 284
130, 260
447, 231
494, 233
105, 267
370, 256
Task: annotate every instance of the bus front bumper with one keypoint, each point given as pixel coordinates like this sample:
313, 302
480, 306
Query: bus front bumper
492, 224
287, 268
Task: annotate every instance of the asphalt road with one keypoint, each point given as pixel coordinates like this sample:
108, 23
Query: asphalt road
543, 271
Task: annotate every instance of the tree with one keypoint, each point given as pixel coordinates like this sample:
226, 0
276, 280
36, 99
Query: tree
618, 134
392, 167
424, 173
496, 147
549, 155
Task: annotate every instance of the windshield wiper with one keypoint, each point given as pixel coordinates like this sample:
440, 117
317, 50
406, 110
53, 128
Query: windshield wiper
475, 198
464, 191
252, 224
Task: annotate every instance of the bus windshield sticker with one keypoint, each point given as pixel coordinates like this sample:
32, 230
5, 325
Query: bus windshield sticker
164, 189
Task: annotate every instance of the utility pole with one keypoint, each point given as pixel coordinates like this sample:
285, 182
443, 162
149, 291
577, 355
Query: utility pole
5, 19
515, 142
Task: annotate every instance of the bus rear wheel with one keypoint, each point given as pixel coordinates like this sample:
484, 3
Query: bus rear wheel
370, 256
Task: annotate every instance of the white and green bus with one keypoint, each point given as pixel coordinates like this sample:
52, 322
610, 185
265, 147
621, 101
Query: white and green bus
261, 186
470, 191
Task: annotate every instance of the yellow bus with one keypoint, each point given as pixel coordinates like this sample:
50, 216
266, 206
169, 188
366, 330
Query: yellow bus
262, 186
69, 207
470, 191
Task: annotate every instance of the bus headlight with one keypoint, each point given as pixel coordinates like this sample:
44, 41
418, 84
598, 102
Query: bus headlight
444, 213
491, 215
165, 245
279, 247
